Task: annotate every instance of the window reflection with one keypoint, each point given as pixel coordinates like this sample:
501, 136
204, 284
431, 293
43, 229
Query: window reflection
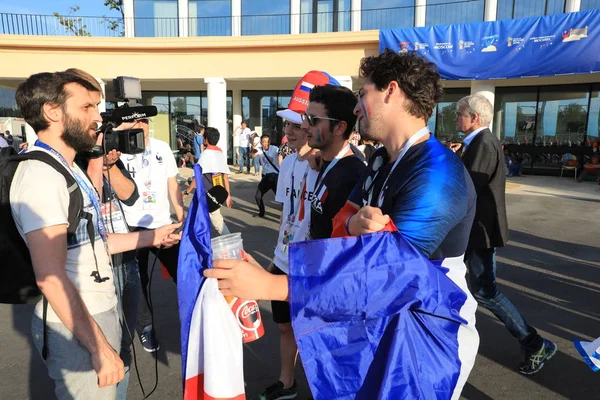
155, 18
330, 16
515, 115
593, 128
260, 20
443, 120
259, 110
590, 4
562, 115
509, 9
388, 14
209, 17
442, 12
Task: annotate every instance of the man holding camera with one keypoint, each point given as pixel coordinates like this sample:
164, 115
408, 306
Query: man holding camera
155, 174
77, 323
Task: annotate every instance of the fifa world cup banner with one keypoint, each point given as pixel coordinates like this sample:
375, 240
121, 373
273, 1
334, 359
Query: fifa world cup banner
552, 45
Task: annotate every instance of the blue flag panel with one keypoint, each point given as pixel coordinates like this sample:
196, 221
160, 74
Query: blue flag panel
528, 47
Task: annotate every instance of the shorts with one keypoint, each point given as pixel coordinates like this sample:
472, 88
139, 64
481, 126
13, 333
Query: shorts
280, 309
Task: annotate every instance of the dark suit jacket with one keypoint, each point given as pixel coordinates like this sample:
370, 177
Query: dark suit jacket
485, 162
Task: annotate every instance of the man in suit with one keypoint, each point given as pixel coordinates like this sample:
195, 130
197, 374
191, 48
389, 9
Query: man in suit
483, 158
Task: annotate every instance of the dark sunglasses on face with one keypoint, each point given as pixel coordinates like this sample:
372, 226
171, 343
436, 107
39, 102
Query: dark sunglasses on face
312, 118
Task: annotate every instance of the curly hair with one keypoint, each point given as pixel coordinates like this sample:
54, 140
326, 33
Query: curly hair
417, 78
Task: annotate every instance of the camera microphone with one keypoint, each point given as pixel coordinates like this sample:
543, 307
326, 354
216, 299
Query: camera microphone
130, 114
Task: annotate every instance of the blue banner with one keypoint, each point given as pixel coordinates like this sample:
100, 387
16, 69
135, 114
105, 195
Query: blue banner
528, 47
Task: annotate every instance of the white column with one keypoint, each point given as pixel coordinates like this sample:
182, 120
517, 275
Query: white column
129, 22
217, 108
295, 17
355, 15
30, 136
237, 108
420, 11
488, 90
345, 81
572, 6
102, 105
236, 17
182, 14
490, 11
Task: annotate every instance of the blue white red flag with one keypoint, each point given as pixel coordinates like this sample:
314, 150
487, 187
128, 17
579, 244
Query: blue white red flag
375, 319
211, 340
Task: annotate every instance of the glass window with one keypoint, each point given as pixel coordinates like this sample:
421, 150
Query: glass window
377, 14
210, 17
8, 104
331, 16
442, 12
156, 18
260, 20
259, 110
509, 9
160, 126
593, 127
562, 115
590, 4
515, 115
443, 120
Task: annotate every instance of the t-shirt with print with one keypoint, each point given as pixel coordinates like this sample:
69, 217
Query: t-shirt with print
271, 154
151, 171
294, 189
39, 198
332, 194
244, 137
214, 166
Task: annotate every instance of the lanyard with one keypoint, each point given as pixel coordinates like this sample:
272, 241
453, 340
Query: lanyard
92, 194
293, 191
321, 179
409, 143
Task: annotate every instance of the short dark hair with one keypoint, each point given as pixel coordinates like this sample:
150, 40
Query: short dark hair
265, 136
416, 76
339, 101
42, 88
212, 135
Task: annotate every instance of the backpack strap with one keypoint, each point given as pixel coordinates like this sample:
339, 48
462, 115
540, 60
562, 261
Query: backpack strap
271, 162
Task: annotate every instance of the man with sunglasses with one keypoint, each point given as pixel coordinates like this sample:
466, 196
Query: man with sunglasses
328, 122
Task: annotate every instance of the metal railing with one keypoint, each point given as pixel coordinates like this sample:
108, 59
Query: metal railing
332, 21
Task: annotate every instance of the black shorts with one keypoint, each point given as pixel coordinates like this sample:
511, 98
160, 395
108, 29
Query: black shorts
280, 309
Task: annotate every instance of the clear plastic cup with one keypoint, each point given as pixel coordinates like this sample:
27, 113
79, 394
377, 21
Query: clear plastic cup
246, 312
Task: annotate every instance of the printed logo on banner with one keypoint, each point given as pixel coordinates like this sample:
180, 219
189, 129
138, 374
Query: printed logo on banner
544, 41
489, 43
575, 34
404, 47
466, 45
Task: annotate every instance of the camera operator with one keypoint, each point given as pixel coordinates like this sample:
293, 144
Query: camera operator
155, 174
114, 184
80, 328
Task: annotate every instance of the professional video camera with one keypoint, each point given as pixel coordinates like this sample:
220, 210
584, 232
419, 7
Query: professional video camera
130, 141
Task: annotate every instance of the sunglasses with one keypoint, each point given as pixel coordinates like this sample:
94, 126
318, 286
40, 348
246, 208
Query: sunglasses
311, 119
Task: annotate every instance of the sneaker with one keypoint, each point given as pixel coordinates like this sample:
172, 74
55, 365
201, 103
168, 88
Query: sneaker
148, 340
535, 361
277, 392
258, 216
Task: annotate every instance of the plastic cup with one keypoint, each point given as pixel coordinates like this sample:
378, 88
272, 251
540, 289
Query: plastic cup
246, 312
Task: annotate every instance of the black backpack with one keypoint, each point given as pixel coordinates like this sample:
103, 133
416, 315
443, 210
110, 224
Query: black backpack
17, 279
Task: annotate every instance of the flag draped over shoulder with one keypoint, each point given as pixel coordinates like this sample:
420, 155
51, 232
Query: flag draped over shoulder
211, 341
375, 319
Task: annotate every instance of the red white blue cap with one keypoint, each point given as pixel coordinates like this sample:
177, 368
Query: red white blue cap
299, 101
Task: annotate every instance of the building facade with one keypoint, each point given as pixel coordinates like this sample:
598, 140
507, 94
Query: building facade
219, 62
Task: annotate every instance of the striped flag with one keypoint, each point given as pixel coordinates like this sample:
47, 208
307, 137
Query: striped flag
374, 319
211, 340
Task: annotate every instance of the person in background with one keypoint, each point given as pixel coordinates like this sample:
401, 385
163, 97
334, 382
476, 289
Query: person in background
255, 150
270, 167
198, 142
243, 133
284, 150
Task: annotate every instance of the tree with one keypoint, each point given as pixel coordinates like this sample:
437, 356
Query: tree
76, 26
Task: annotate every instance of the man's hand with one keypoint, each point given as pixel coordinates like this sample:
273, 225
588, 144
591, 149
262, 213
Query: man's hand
108, 366
315, 160
367, 220
111, 158
165, 237
244, 279
229, 202
455, 147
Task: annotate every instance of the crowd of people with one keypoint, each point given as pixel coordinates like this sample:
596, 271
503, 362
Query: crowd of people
446, 203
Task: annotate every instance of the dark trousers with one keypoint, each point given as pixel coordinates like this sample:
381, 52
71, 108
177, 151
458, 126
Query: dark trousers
268, 182
481, 264
168, 257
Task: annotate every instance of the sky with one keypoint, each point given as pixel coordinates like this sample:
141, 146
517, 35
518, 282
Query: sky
89, 8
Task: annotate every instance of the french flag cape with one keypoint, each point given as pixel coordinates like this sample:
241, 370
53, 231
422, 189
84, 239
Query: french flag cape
375, 319
211, 341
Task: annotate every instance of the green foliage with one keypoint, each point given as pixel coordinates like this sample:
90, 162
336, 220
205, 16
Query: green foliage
76, 26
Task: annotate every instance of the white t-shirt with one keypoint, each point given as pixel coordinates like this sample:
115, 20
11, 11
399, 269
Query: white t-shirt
272, 153
244, 137
297, 231
151, 171
38, 199
236, 139
213, 162
3, 142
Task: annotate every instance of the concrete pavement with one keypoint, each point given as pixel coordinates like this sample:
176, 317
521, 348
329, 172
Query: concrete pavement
550, 270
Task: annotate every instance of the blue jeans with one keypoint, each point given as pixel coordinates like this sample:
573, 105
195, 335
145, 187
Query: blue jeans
244, 159
481, 265
256, 163
128, 287
69, 363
